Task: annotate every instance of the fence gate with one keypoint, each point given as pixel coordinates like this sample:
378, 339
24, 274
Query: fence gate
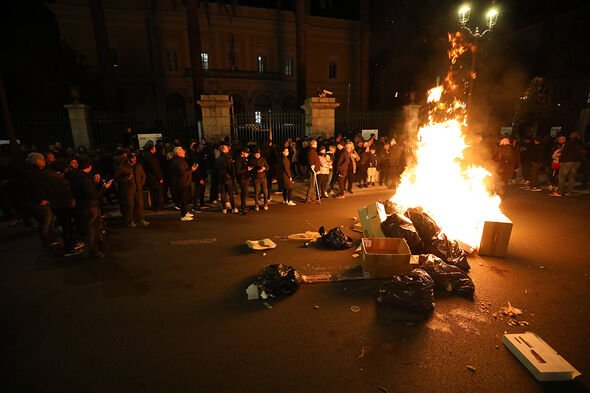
259, 125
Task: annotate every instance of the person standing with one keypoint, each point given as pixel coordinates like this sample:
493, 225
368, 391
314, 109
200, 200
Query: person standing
570, 161
314, 163
260, 169
225, 171
396, 162
324, 172
536, 156
38, 186
287, 178
180, 181
88, 190
372, 164
342, 165
352, 166
131, 178
506, 159
384, 165
242, 171
155, 176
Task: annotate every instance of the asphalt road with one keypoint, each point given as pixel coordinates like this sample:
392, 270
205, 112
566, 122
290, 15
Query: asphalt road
166, 311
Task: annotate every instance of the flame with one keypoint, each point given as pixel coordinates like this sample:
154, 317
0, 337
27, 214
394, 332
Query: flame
458, 46
454, 192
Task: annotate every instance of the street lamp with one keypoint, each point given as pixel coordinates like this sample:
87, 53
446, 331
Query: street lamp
491, 20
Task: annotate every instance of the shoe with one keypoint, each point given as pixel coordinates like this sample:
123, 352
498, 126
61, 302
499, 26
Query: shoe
366, 186
78, 246
308, 201
131, 224
350, 191
265, 207
567, 194
73, 252
291, 203
235, 210
256, 208
176, 207
189, 214
223, 211
144, 223
341, 196
535, 189
372, 183
227, 205
186, 218
284, 202
13, 223
555, 194
214, 202
243, 212
197, 210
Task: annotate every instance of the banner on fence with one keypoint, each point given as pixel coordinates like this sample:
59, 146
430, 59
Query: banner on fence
367, 134
142, 139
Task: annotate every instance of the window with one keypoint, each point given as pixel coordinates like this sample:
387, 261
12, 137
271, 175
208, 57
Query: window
172, 60
332, 70
261, 63
257, 117
288, 66
205, 61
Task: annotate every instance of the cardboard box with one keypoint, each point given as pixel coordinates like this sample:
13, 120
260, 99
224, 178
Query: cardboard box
385, 257
495, 238
371, 217
539, 358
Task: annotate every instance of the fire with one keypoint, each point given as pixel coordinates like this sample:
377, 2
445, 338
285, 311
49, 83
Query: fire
434, 94
458, 46
451, 190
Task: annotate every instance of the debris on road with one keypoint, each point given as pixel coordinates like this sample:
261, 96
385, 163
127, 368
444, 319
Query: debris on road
383, 389
412, 291
335, 239
316, 307
306, 236
274, 281
355, 308
511, 311
470, 368
268, 306
192, 242
252, 292
259, 245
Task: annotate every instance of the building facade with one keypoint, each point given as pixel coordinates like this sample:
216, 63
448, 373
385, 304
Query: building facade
247, 53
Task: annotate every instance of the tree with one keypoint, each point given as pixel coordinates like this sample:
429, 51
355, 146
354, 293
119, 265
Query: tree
534, 107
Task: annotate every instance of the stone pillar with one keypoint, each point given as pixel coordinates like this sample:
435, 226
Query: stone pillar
319, 115
411, 121
216, 117
78, 114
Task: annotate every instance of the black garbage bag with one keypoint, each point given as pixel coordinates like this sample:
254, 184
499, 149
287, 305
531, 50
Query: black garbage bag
278, 280
449, 251
424, 224
413, 291
335, 239
447, 277
399, 226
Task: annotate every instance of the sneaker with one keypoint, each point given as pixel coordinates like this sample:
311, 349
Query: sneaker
567, 194
187, 218
235, 210
285, 202
372, 183
176, 207
214, 202
340, 196
265, 207
131, 224
256, 208
291, 203
243, 212
555, 194
73, 252
227, 205
535, 189
144, 223
78, 246
223, 211
350, 191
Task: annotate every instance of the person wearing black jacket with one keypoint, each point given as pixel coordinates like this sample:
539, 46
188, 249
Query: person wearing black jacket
286, 178
384, 165
536, 156
242, 171
62, 205
199, 177
87, 192
342, 164
154, 177
260, 169
214, 187
225, 172
180, 181
38, 187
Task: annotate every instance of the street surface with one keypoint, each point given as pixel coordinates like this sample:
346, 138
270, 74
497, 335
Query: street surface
166, 310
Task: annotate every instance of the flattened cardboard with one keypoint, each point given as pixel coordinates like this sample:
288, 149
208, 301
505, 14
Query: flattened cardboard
371, 217
385, 257
539, 358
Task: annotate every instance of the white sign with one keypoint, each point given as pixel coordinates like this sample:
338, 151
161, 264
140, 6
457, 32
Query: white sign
367, 134
505, 130
142, 139
554, 131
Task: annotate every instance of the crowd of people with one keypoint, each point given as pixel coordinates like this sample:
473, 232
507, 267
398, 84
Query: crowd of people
526, 160
68, 188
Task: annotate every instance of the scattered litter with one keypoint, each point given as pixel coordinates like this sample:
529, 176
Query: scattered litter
497, 347
355, 308
383, 389
192, 242
412, 291
448, 277
267, 305
539, 358
355, 255
252, 292
260, 245
362, 354
480, 264
354, 218
313, 278
316, 307
263, 254
335, 239
471, 368
263, 295
307, 235
511, 311
541, 267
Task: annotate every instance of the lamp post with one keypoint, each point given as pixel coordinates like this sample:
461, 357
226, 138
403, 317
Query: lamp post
491, 20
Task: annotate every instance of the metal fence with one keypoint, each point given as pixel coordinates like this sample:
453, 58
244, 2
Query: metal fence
350, 123
258, 126
42, 128
107, 128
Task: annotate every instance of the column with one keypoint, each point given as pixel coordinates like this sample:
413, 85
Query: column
216, 116
78, 114
319, 115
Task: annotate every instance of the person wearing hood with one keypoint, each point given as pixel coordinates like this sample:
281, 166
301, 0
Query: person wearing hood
505, 157
131, 178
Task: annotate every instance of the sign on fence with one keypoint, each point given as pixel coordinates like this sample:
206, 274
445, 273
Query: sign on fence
367, 134
554, 131
505, 130
142, 139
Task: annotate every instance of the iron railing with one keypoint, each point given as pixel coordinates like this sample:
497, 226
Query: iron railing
42, 128
258, 126
350, 123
